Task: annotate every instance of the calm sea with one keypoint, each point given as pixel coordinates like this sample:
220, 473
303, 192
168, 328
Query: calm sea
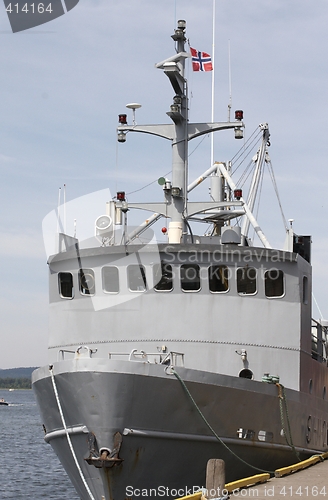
29, 469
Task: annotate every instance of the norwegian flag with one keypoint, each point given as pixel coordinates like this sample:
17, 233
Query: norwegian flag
201, 61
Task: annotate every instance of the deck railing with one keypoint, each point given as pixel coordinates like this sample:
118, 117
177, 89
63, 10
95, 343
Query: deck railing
319, 347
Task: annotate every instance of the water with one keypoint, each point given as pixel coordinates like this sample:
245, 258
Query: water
29, 469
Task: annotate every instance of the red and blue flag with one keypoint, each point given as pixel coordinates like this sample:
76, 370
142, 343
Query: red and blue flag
201, 61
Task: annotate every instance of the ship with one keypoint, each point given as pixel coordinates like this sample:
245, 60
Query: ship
169, 349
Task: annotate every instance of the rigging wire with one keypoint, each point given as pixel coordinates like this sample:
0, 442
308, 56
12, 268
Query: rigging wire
250, 145
198, 145
316, 303
167, 173
244, 176
277, 193
147, 185
240, 151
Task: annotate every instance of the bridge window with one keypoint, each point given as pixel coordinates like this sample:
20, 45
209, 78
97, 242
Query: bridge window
110, 280
163, 277
87, 281
218, 278
137, 278
246, 280
274, 283
190, 277
65, 283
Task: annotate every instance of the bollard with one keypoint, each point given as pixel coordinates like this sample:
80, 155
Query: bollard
215, 478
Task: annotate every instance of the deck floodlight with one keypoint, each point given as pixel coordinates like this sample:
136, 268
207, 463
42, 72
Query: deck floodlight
176, 192
104, 225
175, 108
125, 207
239, 134
121, 136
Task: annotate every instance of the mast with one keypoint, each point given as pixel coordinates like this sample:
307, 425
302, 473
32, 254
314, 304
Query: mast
179, 115
180, 132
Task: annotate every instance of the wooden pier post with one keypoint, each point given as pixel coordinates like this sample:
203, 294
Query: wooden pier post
215, 478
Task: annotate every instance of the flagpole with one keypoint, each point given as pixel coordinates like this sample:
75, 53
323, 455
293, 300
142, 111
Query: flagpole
230, 89
213, 82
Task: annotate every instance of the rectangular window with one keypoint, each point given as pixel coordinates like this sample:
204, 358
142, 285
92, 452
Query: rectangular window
190, 278
65, 283
87, 281
274, 283
163, 277
218, 279
246, 280
136, 278
110, 280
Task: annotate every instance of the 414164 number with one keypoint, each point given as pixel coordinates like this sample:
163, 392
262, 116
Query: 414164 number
303, 491
37, 8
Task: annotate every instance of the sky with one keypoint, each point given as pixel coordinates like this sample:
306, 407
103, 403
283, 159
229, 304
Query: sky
64, 83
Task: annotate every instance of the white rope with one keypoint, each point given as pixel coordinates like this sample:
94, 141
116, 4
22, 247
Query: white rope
68, 436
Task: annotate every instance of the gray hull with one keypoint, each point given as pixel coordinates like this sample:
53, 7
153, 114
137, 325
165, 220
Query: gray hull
165, 442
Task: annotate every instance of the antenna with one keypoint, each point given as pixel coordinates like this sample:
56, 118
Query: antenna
213, 81
64, 208
133, 106
58, 209
230, 89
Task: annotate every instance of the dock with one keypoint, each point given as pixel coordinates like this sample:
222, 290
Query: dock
306, 479
311, 482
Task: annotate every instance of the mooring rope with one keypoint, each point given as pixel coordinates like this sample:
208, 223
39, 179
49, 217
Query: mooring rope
67, 434
211, 428
283, 406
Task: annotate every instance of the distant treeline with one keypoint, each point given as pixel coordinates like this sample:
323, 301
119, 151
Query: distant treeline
15, 383
16, 378
17, 372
